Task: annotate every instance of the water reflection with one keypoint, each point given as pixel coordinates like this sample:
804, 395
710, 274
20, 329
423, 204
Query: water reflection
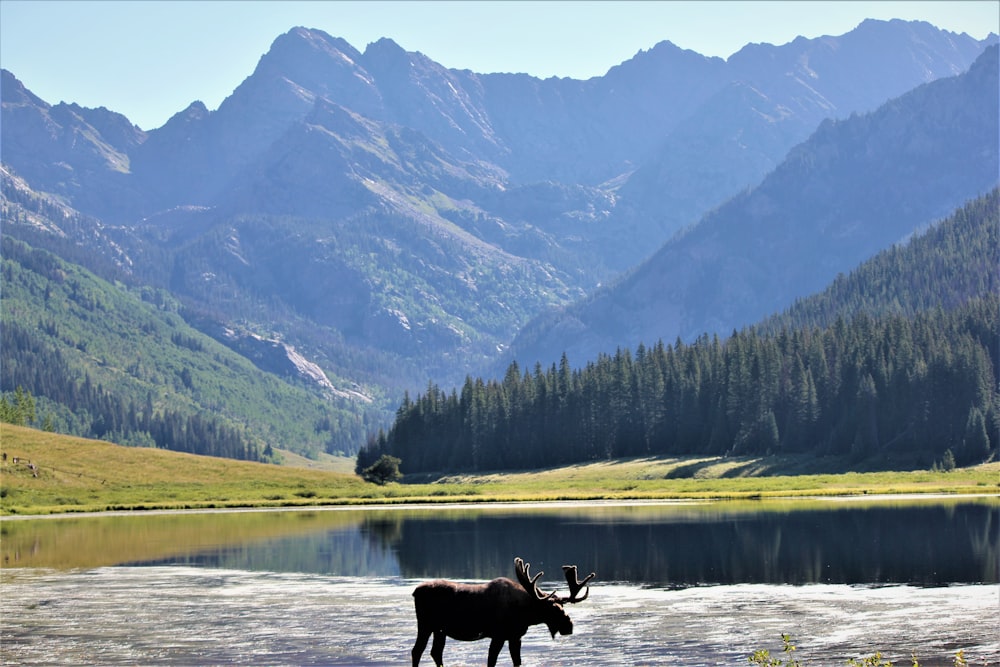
332, 587
925, 545
93, 541
652, 545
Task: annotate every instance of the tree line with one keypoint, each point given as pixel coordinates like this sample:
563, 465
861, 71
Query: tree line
897, 359
946, 266
909, 388
133, 341
73, 266
70, 402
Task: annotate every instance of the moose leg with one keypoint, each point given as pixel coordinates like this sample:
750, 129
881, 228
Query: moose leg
495, 645
437, 648
514, 644
418, 648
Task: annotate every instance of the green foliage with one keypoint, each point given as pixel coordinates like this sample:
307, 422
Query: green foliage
18, 409
383, 471
951, 263
105, 362
874, 660
976, 442
763, 658
906, 385
895, 388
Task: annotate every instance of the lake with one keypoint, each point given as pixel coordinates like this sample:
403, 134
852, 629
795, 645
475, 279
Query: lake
677, 583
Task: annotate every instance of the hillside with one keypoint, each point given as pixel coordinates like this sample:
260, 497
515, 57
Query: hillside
912, 385
954, 261
372, 219
75, 475
59, 473
351, 223
106, 361
855, 187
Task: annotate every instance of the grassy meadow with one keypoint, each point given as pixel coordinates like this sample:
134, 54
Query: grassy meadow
68, 474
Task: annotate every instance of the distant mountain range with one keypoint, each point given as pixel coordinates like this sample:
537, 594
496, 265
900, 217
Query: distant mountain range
856, 186
895, 365
392, 220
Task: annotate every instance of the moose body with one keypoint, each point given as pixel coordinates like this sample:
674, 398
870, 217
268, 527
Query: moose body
501, 609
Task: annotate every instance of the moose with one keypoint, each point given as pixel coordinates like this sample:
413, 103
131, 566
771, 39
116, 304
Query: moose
501, 609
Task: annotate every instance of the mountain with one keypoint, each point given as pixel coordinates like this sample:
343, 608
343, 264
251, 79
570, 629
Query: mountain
83, 155
948, 265
893, 364
854, 187
106, 361
98, 353
392, 219
668, 106
772, 98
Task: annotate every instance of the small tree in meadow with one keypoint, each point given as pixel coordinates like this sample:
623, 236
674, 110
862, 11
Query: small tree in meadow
384, 470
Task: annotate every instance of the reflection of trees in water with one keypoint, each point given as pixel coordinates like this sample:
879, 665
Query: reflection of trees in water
346, 551
385, 531
922, 545
919, 545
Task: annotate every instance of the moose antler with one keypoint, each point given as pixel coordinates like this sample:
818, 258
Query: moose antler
573, 579
522, 570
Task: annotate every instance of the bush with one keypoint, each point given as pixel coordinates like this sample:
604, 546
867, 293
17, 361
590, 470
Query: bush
762, 657
384, 470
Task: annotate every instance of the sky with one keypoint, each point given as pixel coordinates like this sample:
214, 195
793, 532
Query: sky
149, 59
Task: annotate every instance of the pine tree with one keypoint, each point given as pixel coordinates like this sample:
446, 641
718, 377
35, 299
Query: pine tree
976, 443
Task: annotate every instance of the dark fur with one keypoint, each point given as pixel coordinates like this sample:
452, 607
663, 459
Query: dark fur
501, 609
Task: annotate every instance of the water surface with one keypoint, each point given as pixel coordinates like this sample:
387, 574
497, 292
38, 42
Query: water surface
678, 584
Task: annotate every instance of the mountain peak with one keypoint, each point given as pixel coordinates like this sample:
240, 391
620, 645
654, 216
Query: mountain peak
384, 51
385, 43
880, 24
194, 112
15, 92
302, 65
667, 47
306, 56
663, 55
297, 39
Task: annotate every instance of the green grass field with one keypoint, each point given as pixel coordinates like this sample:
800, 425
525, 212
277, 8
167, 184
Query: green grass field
68, 474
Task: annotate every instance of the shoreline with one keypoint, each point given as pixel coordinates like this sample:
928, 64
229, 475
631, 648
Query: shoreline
521, 504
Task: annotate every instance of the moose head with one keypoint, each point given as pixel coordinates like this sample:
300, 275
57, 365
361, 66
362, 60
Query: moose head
556, 617
501, 609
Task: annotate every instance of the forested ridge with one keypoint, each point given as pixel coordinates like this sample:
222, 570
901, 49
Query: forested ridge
948, 264
912, 379
79, 406
108, 361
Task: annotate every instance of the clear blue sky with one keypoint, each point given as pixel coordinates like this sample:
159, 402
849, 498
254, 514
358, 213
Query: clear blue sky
149, 59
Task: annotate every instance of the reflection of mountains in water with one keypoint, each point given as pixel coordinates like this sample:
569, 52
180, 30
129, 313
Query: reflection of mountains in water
926, 545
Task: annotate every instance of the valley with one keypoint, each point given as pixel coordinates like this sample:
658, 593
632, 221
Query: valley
352, 228
76, 476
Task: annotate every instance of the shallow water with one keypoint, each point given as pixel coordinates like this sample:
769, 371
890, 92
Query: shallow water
169, 615
693, 584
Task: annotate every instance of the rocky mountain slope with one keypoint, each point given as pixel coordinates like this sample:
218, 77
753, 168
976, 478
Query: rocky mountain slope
695, 130
392, 220
854, 187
